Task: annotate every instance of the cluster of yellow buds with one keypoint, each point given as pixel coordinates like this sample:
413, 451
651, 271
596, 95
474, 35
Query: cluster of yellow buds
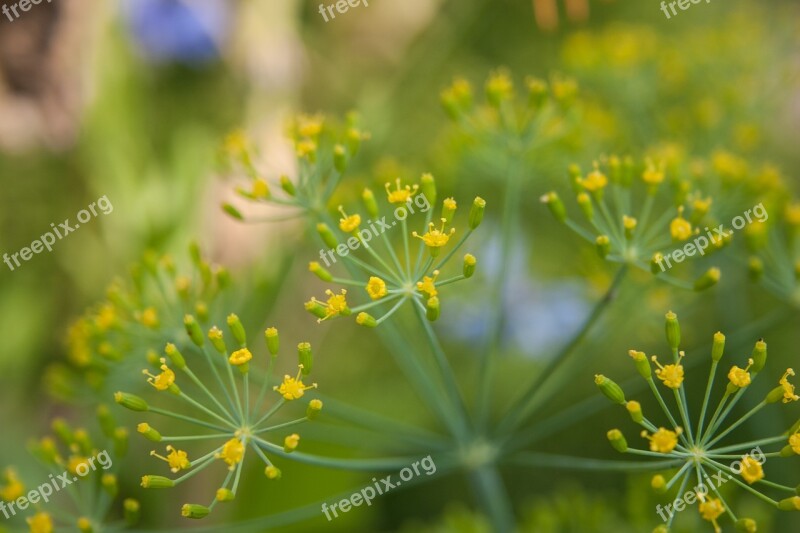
85, 467
136, 317
388, 271
224, 410
632, 218
324, 152
693, 451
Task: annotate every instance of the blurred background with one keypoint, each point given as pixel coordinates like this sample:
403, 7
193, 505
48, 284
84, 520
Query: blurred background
132, 99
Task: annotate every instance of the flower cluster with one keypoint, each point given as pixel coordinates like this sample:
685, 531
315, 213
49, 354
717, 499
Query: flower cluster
226, 410
323, 154
694, 451
82, 486
400, 273
137, 316
634, 221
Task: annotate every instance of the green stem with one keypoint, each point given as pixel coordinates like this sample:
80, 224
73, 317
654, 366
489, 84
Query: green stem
491, 492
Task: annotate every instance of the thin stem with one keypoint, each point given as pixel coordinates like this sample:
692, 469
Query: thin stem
736, 424
710, 384
492, 495
546, 460
186, 418
202, 387
282, 426
664, 408
205, 409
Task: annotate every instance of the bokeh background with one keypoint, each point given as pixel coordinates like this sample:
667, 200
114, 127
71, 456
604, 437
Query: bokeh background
131, 99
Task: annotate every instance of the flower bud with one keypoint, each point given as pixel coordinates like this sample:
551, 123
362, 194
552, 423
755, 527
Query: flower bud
656, 263
707, 280
432, 308
290, 442
84, 525
316, 309
194, 510
148, 432
287, 185
611, 390
120, 440
327, 235
368, 197
469, 265
305, 357
790, 504
629, 225
755, 268
428, 187
718, 347
314, 408
232, 211
603, 245
774, 396
175, 356
237, 329
217, 340
759, 356
130, 401
787, 451
476, 213
106, 420
193, 330
642, 363
367, 320
635, 410
659, 484
201, 310
130, 508
63, 431
746, 525
673, 331
109, 483
339, 158
225, 495
223, 277
585, 203
316, 269
272, 472
449, 206
157, 482
273, 343
555, 205
617, 440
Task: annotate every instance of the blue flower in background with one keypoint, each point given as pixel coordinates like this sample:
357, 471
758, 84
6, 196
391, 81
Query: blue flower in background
182, 31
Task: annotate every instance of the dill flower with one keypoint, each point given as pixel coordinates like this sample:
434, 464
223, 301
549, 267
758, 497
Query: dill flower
89, 461
391, 274
219, 403
629, 216
694, 450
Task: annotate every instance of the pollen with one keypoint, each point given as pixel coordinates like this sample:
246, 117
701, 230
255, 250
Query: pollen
293, 388
670, 375
788, 388
400, 195
164, 380
349, 223
176, 459
663, 440
376, 288
240, 357
232, 453
435, 238
428, 285
751, 470
740, 376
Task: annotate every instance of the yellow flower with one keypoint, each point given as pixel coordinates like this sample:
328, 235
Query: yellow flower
400, 195
40, 523
176, 459
711, 510
499, 86
290, 442
794, 442
260, 189
680, 228
376, 288
740, 376
150, 317
13, 488
793, 214
75, 462
309, 125
232, 452
306, 148
293, 388
240, 357
788, 388
106, 317
594, 181
663, 440
164, 380
671, 375
435, 238
751, 470
350, 223
652, 175
428, 285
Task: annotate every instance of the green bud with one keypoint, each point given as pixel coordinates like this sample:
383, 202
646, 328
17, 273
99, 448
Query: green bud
225, 495
635, 410
316, 309
130, 508
759, 356
194, 510
201, 310
106, 420
476, 213
367, 320
659, 484
642, 363
305, 357
555, 205
718, 347
790, 504
603, 245
368, 197
232, 211
327, 235
339, 158
237, 329
316, 269
469, 265
428, 186
775, 395
63, 431
746, 525
217, 340
287, 185
314, 408
148, 432
130, 401
611, 390
707, 280
175, 356
673, 331
449, 209
787, 451
272, 472
109, 483
432, 309
120, 439
585, 203
193, 330
755, 268
157, 482
273, 343
223, 278
617, 440
656, 263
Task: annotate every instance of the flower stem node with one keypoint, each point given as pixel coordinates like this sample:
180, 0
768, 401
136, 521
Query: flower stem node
288, 186
110, 485
366, 320
617, 440
195, 511
273, 342
610, 389
148, 432
305, 357
131, 401
314, 408
193, 330
635, 410
291, 442
476, 213
339, 158
469, 265
157, 482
